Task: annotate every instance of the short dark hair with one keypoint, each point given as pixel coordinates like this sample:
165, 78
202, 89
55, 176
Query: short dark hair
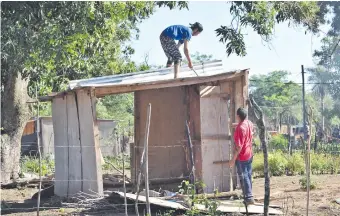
197, 26
242, 113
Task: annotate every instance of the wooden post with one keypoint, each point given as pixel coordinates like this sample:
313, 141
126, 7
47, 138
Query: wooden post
146, 140
125, 203
37, 129
308, 159
191, 157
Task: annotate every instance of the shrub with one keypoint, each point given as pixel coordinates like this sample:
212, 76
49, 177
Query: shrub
296, 164
303, 183
278, 142
258, 164
318, 163
31, 165
277, 163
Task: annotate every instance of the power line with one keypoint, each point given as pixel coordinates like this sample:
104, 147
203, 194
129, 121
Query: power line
336, 45
293, 83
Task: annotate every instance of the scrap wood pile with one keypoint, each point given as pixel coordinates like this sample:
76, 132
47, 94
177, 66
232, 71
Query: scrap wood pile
29, 180
178, 202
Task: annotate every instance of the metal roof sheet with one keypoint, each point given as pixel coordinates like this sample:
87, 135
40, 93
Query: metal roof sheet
204, 69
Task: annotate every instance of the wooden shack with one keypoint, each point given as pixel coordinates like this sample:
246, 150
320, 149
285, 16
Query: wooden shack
207, 101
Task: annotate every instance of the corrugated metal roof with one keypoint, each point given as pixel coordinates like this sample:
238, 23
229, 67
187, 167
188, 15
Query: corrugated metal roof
205, 69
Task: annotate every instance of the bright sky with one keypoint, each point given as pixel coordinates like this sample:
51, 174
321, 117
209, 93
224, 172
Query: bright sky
289, 49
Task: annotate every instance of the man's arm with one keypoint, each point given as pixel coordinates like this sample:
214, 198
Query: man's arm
238, 147
186, 52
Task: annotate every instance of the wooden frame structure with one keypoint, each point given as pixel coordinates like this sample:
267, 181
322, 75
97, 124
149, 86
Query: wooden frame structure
205, 102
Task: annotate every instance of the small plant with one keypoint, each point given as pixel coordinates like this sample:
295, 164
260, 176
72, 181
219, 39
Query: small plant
117, 162
31, 165
303, 183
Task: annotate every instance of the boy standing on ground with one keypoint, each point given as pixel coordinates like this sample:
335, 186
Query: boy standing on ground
183, 35
243, 154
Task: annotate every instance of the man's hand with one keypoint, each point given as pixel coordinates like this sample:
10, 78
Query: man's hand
231, 163
190, 65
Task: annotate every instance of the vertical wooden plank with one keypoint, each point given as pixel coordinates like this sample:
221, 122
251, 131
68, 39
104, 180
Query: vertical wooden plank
59, 119
75, 171
245, 84
238, 102
226, 88
91, 160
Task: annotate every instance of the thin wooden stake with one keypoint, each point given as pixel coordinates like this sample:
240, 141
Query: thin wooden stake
146, 140
191, 160
138, 180
125, 203
308, 159
39, 152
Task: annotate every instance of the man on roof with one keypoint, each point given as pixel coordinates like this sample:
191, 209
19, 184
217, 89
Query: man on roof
183, 35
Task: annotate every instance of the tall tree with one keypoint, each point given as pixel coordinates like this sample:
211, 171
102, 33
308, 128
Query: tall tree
320, 77
52, 42
277, 96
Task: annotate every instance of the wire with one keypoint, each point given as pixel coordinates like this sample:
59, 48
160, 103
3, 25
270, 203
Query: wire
293, 83
336, 45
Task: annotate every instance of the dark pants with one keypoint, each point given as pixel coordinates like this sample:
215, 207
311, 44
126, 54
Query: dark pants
171, 50
244, 170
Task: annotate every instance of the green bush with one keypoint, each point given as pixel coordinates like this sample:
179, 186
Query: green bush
31, 165
318, 163
278, 142
280, 162
258, 165
295, 164
277, 163
303, 183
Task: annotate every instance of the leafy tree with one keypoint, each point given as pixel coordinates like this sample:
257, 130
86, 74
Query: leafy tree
278, 97
49, 43
328, 58
262, 16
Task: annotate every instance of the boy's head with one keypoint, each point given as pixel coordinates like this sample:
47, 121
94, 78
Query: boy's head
196, 28
241, 114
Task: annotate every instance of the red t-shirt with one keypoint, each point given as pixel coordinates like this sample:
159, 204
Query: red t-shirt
243, 138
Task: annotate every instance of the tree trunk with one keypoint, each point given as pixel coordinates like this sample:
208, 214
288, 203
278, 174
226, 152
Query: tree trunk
14, 115
262, 134
322, 114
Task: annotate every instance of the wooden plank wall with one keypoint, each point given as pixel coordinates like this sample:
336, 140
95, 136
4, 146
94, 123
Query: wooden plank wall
167, 139
76, 141
215, 139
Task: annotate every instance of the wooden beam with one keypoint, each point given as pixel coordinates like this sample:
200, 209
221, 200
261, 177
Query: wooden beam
216, 137
221, 162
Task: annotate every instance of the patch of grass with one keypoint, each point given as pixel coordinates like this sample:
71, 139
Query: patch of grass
31, 165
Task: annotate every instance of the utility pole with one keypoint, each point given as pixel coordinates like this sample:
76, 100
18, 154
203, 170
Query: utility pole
304, 104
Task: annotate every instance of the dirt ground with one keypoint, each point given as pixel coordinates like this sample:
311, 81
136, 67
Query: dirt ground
285, 191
